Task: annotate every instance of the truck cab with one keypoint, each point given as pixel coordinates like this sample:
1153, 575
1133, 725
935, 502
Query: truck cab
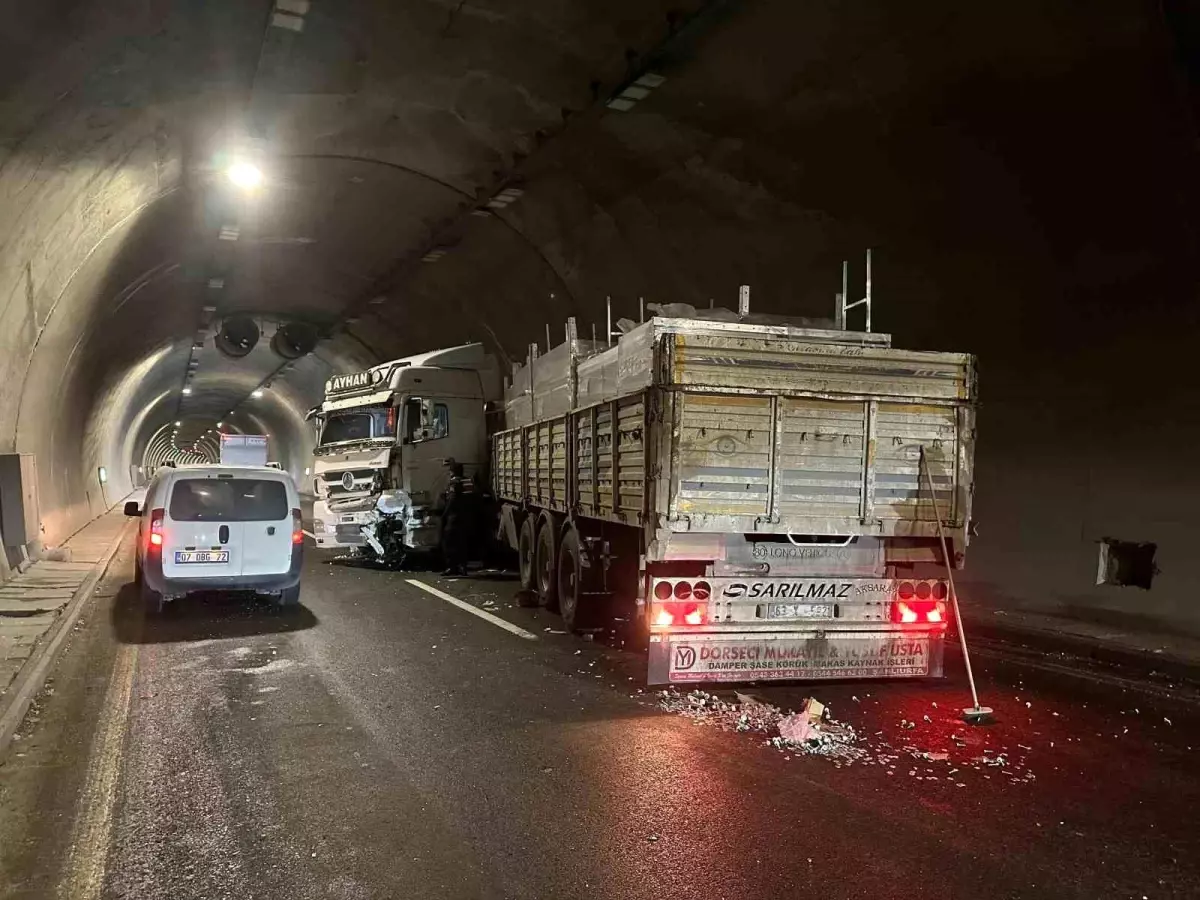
392, 428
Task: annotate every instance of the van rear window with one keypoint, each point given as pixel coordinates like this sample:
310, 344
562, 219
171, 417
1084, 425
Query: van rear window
228, 500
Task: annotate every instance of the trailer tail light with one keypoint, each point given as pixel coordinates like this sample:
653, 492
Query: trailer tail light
662, 591
683, 590
680, 614
297, 527
919, 612
156, 529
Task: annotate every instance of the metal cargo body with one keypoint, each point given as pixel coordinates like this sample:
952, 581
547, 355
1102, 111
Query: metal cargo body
689, 426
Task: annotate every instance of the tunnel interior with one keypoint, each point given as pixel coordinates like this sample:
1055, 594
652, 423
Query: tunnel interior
437, 172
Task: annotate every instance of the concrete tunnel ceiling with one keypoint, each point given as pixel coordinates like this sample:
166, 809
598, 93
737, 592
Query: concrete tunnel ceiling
438, 171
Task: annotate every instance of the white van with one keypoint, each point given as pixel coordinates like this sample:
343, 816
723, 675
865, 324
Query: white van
218, 528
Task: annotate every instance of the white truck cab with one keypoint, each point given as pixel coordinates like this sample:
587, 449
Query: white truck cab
392, 427
218, 528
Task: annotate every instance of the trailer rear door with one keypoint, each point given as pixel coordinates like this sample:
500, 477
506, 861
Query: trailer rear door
781, 436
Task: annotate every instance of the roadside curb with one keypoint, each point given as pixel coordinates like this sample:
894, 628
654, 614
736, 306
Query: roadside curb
32, 677
1085, 648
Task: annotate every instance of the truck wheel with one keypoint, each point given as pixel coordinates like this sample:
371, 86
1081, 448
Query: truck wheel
577, 611
152, 600
526, 551
547, 567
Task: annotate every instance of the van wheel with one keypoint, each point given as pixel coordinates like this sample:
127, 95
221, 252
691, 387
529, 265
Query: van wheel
152, 600
526, 550
547, 567
578, 612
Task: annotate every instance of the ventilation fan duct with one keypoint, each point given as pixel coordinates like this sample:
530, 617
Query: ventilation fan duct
237, 336
293, 340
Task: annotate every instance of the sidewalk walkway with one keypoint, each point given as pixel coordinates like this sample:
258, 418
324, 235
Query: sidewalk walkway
31, 603
1107, 641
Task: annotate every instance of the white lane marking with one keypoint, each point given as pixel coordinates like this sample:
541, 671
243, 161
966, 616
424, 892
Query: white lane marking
474, 610
89, 846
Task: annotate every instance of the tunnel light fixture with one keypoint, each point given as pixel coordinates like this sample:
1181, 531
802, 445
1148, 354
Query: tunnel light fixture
229, 232
220, 424
434, 255
378, 301
177, 424
638, 89
245, 175
504, 198
256, 393
187, 390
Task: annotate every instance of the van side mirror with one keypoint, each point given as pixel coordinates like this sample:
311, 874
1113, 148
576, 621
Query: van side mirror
132, 509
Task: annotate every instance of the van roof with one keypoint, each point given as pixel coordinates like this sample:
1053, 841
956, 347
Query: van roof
218, 469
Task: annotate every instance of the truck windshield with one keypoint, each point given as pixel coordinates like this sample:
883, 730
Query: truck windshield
359, 425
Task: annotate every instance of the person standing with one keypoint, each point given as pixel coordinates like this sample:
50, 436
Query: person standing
459, 507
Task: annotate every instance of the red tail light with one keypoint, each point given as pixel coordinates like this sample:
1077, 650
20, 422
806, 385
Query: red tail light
919, 612
155, 537
680, 614
297, 528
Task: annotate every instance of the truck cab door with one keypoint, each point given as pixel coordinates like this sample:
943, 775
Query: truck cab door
427, 429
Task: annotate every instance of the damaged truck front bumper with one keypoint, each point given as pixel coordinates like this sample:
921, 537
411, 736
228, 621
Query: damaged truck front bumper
678, 657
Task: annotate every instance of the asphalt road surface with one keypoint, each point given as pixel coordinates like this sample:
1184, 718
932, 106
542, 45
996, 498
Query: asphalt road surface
382, 742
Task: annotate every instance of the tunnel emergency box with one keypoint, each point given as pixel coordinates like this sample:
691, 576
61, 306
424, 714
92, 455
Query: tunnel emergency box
243, 449
20, 517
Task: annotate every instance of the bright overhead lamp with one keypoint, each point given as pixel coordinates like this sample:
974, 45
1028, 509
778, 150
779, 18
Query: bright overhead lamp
245, 175
177, 424
187, 390
257, 393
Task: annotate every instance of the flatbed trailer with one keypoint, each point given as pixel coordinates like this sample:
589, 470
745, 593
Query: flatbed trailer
752, 495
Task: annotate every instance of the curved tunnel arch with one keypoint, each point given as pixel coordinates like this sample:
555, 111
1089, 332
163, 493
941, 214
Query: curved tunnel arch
974, 171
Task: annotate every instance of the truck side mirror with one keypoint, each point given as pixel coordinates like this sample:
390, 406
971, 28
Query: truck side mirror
132, 509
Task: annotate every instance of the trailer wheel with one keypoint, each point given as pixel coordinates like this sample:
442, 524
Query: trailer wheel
547, 567
577, 612
527, 563
526, 550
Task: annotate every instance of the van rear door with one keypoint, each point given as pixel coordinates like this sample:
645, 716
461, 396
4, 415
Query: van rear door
266, 523
202, 537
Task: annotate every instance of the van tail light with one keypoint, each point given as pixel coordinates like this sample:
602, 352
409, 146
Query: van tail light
156, 529
297, 528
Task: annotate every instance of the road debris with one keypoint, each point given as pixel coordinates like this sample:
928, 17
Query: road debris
812, 732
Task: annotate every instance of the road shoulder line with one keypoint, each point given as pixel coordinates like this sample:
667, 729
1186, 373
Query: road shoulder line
474, 610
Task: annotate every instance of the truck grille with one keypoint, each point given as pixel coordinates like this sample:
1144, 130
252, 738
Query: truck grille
335, 487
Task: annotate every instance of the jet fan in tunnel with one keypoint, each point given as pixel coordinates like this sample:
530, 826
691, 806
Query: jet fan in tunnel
293, 340
237, 337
